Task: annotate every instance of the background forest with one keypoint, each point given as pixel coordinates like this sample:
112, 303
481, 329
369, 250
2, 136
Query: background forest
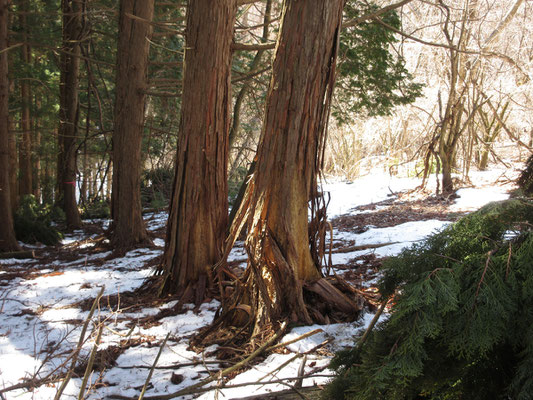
429, 87
231, 119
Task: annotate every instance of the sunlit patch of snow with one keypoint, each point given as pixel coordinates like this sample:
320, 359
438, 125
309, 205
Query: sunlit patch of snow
473, 198
159, 242
401, 236
365, 190
41, 312
510, 235
156, 221
87, 245
238, 252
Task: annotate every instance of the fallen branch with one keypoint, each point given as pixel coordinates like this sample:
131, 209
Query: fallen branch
77, 350
193, 389
143, 391
372, 323
240, 385
301, 337
362, 247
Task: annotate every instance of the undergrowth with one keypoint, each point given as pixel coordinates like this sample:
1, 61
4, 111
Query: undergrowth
33, 222
462, 322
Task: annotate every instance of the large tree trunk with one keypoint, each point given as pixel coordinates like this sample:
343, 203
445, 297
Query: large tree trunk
131, 81
8, 241
288, 161
199, 205
69, 110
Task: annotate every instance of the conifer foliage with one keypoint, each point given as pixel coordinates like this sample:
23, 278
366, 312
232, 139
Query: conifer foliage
462, 323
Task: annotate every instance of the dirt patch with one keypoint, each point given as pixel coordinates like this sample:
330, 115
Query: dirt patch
391, 213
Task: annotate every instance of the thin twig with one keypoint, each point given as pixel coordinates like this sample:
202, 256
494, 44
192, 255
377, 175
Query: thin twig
77, 350
90, 364
145, 386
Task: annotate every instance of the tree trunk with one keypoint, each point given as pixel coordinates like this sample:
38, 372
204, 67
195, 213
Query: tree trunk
236, 123
8, 242
36, 158
25, 167
199, 204
131, 82
13, 179
289, 158
452, 126
69, 110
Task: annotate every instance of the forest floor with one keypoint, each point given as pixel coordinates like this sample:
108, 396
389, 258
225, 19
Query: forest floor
45, 301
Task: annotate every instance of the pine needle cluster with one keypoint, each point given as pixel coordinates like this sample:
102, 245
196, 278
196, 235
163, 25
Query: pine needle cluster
462, 323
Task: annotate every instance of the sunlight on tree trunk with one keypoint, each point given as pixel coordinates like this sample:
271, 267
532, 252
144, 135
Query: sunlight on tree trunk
199, 205
289, 159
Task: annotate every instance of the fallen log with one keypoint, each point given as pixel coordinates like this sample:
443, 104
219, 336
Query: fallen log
18, 254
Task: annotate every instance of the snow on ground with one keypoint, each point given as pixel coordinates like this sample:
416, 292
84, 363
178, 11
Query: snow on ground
41, 315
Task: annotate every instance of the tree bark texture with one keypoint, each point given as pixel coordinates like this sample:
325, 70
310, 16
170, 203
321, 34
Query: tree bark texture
69, 109
199, 205
135, 31
8, 241
289, 159
36, 159
25, 147
13, 178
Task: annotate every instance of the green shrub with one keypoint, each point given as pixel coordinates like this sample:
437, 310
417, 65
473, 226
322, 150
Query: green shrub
525, 180
33, 222
462, 323
96, 209
156, 187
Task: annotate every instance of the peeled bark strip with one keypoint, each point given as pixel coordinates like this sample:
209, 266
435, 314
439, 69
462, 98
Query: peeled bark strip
288, 162
131, 82
199, 205
8, 241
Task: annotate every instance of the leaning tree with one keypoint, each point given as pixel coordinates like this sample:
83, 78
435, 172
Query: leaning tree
198, 208
283, 273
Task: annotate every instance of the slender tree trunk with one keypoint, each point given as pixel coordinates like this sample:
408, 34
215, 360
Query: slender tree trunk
452, 126
13, 179
236, 123
289, 158
25, 167
199, 205
69, 109
36, 158
131, 82
8, 242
